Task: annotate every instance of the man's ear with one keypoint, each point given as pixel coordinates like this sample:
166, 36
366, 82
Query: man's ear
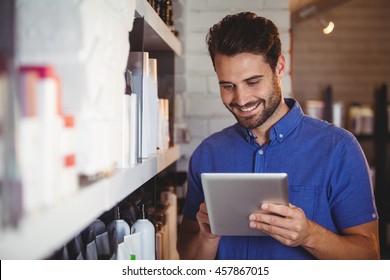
281, 66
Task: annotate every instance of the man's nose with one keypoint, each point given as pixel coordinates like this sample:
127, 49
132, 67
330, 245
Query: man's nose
240, 96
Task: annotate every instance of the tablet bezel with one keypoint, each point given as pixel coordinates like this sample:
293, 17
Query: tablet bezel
225, 194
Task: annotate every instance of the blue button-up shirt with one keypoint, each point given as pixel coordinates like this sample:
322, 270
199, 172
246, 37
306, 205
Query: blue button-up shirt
327, 172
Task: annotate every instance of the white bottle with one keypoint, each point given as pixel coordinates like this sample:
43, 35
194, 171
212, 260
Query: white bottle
121, 227
148, 240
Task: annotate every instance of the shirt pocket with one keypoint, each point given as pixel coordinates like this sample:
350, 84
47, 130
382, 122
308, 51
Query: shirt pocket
304, 197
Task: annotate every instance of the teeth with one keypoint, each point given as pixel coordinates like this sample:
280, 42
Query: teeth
248, 109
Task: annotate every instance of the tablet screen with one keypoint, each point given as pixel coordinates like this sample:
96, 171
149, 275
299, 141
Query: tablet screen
231, 197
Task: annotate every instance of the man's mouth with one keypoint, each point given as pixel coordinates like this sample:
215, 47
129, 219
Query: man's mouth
248, 107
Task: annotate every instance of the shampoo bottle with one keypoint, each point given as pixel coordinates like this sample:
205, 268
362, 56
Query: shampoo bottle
147, 231
120, 226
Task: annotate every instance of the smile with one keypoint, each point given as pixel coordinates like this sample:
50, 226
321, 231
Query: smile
248, 109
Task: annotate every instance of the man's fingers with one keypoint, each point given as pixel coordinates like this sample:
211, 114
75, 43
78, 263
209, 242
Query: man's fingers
282, 210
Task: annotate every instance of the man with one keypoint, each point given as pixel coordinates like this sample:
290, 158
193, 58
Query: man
332, 214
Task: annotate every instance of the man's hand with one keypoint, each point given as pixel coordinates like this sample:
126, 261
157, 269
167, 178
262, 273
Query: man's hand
287, 224
195, 240
204, 223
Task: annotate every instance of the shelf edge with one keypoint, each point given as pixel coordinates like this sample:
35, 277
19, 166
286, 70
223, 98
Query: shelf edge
77, 211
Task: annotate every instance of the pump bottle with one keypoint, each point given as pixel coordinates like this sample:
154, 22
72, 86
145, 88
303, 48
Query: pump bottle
147, 231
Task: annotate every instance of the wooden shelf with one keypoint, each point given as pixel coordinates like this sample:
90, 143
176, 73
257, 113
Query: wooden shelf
157, 37
366, 137
38, 235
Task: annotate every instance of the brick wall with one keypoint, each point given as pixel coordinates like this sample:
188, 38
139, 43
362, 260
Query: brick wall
197, 88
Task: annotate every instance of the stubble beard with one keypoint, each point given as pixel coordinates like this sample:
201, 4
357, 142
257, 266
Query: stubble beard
271, 105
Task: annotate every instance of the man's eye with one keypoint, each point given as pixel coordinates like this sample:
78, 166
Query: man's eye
252, 83
227, 87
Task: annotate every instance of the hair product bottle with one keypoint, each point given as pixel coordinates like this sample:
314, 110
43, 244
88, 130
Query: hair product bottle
147, 231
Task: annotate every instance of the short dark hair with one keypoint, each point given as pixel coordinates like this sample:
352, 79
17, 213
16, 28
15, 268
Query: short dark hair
245, 32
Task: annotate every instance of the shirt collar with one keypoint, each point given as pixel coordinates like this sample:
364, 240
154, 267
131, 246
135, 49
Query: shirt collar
289, 122
283, 127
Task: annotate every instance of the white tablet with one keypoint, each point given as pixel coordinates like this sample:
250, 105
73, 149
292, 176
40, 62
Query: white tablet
231, 197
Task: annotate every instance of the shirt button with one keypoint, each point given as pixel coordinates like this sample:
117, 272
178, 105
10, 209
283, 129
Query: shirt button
280, 135
261, 152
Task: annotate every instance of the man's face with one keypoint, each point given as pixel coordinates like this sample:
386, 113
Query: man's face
249, 89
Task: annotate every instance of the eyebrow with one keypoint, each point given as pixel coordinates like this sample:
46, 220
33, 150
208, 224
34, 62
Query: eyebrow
245, 80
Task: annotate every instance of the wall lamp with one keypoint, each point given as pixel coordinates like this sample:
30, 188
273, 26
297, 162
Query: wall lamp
327, 26
312, 11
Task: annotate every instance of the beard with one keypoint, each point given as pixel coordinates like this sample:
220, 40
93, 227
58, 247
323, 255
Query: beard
270, 106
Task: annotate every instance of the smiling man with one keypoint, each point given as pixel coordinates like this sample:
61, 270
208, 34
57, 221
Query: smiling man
332, 214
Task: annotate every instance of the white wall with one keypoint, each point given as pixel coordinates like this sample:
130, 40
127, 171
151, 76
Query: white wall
196, 86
